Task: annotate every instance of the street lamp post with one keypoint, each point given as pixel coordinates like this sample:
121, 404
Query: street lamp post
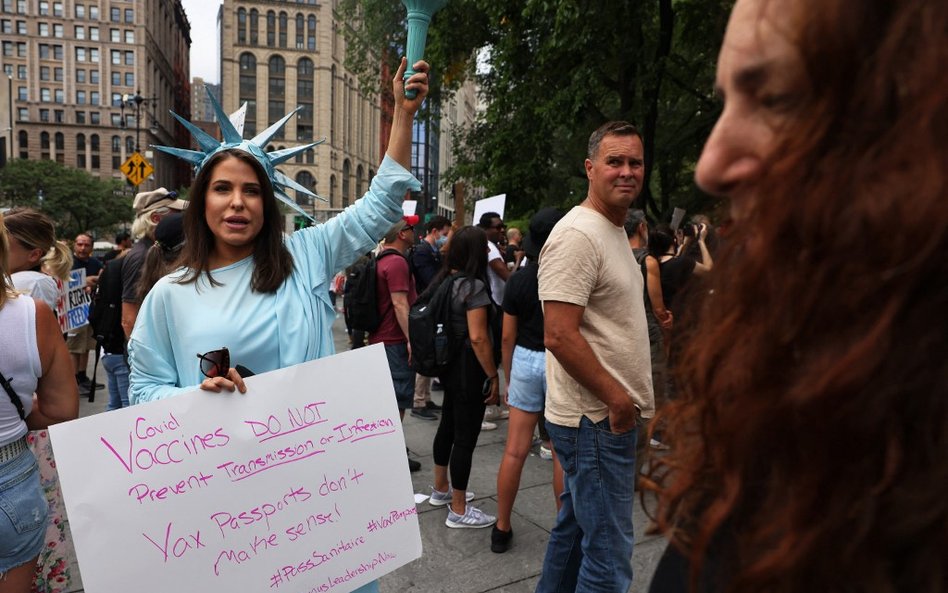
135, 102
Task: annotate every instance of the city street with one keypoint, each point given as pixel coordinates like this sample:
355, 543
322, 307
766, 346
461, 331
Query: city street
460, 560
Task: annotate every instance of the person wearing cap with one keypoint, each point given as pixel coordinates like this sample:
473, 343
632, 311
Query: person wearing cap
524, 361
599, 380
394, 295
150, 208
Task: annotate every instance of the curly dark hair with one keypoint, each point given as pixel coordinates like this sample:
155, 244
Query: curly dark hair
812, 430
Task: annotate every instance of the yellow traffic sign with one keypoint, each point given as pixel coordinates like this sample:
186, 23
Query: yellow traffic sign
137, 169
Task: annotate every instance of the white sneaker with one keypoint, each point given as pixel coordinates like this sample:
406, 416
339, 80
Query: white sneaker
439, 499
485, 425
546, 453
496, 413
473, 518
657, 445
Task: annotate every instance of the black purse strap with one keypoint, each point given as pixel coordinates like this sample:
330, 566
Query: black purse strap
13, 397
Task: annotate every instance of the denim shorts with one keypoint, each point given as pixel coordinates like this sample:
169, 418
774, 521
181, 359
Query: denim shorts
23, 511
403, 377
527, 390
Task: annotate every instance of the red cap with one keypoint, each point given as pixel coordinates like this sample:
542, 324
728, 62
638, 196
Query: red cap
411, 220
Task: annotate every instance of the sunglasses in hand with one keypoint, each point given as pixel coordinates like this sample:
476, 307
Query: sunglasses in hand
215, 363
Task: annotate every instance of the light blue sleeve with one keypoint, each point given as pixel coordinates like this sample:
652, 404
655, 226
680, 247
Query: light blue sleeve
151, 357
357, 229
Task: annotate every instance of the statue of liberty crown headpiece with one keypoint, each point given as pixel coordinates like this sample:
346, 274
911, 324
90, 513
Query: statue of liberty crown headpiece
255, 146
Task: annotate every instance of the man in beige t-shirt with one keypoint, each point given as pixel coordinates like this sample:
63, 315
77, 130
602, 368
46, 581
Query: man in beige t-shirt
598, 369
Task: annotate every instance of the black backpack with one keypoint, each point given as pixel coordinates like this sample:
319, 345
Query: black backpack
360, 301
433, 345
105, 312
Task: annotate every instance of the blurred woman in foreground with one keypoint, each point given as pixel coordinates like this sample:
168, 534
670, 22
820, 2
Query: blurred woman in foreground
808, 446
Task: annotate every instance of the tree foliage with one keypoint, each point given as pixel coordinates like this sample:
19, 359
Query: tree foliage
74, 199
552, 71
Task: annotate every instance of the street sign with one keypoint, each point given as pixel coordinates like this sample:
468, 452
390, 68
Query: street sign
137, 169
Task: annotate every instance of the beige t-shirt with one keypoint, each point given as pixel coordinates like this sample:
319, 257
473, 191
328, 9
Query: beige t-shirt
587, 261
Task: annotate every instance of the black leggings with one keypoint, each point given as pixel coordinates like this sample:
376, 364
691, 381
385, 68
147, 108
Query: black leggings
461, 417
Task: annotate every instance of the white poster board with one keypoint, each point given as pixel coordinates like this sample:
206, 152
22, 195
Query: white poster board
299, 485
678, 215
73, 308
491, 204
409, 207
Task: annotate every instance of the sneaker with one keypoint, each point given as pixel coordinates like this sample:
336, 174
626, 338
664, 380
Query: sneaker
432, 406
423, 413
439, 499
496, 413
500, 540
86, 384
473, 518
546, 453
485, 425
657, 445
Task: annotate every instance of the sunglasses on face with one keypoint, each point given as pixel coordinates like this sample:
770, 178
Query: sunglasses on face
215, 363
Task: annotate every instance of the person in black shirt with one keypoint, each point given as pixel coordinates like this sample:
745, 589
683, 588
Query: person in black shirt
524, 361
80, 340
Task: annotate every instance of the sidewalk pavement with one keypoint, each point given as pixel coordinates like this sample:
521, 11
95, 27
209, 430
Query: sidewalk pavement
460, 560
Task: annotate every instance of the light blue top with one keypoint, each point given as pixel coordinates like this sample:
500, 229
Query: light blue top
264, 332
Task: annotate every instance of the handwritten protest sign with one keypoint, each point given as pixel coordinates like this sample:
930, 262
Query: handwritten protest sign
73, 308
301, 485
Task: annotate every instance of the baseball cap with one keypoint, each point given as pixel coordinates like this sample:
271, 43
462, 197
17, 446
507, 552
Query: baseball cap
159, 198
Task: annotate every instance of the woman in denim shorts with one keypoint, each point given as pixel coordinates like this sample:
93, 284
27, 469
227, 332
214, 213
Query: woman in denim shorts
39, 389
524, 360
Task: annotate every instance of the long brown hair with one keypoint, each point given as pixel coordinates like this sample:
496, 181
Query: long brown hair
812, 429
272, 263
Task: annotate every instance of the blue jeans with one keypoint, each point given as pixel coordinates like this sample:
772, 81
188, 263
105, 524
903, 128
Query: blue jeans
117, 371
590, 548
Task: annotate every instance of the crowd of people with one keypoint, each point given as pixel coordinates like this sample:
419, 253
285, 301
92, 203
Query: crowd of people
773, 388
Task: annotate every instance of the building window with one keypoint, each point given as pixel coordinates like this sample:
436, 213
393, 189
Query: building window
94, 76
94, 13
44, 72
116, 56
81, 118
276, 89
58, 73
129, 58
115, 36
58, 31
80, 148
94, 55
58, 116
332, 107
116, 152
241, 25
80, 32
129, 145
247, 91
300, 30
57, 8
80, 54
360, 176
80, 76
80, 97
129, 79
6, 25
311, 33
59, 97
283, 24
44, 146
116, 102
23, 114
254, 27
94, 150
94, 33
94, 98
45, 97
115, 15
24, 144
304, 97
271, 28
305, 178
57, 52
21, 93
44, 11
21, 27
346, 172
332, 191
130, 15
60, 143
43, 29
80, 11
116, 78
94, 118
129, 36
44, 115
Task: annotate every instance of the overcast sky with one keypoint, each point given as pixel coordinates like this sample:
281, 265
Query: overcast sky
205, 53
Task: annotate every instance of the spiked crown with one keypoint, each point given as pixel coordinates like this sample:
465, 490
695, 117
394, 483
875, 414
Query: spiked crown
232, 138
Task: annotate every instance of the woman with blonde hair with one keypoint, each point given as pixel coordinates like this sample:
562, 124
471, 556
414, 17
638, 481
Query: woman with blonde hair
37, 259
808, 443
39, 390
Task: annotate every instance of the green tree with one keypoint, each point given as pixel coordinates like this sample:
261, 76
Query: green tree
553, 70
74, 199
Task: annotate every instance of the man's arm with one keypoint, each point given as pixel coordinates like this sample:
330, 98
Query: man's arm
563, 339
400, 304
500, 268
129, 314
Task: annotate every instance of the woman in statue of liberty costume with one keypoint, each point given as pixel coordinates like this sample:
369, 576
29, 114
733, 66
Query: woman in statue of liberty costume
241, 284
